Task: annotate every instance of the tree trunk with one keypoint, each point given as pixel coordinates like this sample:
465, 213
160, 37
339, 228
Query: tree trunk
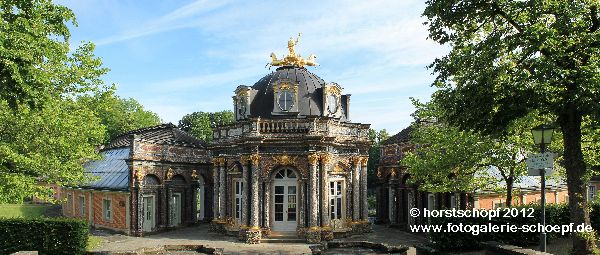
570, 123
509, 193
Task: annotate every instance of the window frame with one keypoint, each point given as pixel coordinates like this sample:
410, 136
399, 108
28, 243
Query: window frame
107, 214
82, 204
291, 100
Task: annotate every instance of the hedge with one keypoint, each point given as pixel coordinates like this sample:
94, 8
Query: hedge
463, 241
45, 235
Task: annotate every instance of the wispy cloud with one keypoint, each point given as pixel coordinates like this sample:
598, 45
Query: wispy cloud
171, 21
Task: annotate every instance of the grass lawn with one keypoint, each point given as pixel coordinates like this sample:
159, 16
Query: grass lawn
23, 211
93, 242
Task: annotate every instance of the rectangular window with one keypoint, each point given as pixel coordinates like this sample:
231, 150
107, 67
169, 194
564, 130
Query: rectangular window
591, 192
82, 205
239, 186
69, 202
498, 204
107, 209
335, 199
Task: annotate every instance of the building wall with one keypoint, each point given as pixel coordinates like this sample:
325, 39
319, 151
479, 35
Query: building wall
490, 202
93, 212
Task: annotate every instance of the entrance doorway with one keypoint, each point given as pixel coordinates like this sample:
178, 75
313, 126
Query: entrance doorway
148, 206
175, 209
285, 204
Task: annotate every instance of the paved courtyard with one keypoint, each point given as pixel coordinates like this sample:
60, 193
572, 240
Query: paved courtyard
200, 235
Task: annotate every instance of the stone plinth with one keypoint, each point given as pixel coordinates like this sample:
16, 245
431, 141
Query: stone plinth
326, 233
313, 235
253, 235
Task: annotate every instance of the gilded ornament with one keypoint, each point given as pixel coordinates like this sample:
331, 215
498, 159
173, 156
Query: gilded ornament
284, 160
393, 172
379, 172
313, 158
338, 168
170, 174
194, 175
139, 175
333, 90
244, 159
255, 159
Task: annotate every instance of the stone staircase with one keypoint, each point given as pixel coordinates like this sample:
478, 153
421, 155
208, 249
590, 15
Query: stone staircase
283, 237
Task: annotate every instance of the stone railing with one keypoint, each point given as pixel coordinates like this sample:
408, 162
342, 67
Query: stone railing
284, 126
323, 127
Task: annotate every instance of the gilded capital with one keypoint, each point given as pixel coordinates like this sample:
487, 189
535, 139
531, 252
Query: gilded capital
255, 159
364, 160
194, 175
326, 158
356, 160
313, 158
219, 161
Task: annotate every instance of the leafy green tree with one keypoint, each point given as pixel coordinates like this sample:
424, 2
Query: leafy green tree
200, 124
45, 132
377, 137
511, 58
119, 115
448, 159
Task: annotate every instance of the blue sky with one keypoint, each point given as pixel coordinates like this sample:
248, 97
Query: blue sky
177, 57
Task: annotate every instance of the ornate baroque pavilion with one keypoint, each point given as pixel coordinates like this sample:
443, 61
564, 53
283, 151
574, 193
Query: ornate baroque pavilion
292, 161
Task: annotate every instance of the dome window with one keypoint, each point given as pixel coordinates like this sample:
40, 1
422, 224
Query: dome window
332, 103
285, 100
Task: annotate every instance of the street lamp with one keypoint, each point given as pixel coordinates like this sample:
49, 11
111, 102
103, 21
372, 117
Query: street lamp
542, 136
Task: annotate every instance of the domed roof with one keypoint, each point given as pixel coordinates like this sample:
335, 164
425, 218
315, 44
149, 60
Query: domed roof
310, 92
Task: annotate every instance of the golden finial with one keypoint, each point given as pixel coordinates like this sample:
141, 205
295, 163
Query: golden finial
293, 59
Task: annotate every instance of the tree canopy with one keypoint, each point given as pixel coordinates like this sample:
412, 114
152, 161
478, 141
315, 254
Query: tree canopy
512, 58
200, 124
377, 137
119, 115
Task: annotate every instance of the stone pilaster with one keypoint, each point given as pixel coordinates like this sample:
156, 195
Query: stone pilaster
356, 189
254, 231
326, 230
313, 234
363, 190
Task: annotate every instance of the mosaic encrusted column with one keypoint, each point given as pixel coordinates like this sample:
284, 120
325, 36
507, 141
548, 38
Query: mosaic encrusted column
363, 190
254, 232
244, 160
313, 234
222, 185
267, 199
356, 189
216, 189
326, 230
393, 206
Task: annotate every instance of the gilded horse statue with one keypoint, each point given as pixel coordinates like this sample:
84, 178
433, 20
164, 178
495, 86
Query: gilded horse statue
293, 59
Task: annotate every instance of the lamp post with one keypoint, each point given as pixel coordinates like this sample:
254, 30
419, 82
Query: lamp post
542, 136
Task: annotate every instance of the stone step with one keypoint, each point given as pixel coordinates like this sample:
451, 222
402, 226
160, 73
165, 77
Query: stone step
283, 237
282, 240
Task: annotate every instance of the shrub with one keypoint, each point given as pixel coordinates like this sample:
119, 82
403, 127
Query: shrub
462, 241
47, 236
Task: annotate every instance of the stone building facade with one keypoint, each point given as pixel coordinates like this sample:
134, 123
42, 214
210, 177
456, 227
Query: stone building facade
148, 180
292, 162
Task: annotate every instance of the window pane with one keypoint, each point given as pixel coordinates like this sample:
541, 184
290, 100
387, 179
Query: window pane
278, 198
279, 216
291, 189
278, 189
